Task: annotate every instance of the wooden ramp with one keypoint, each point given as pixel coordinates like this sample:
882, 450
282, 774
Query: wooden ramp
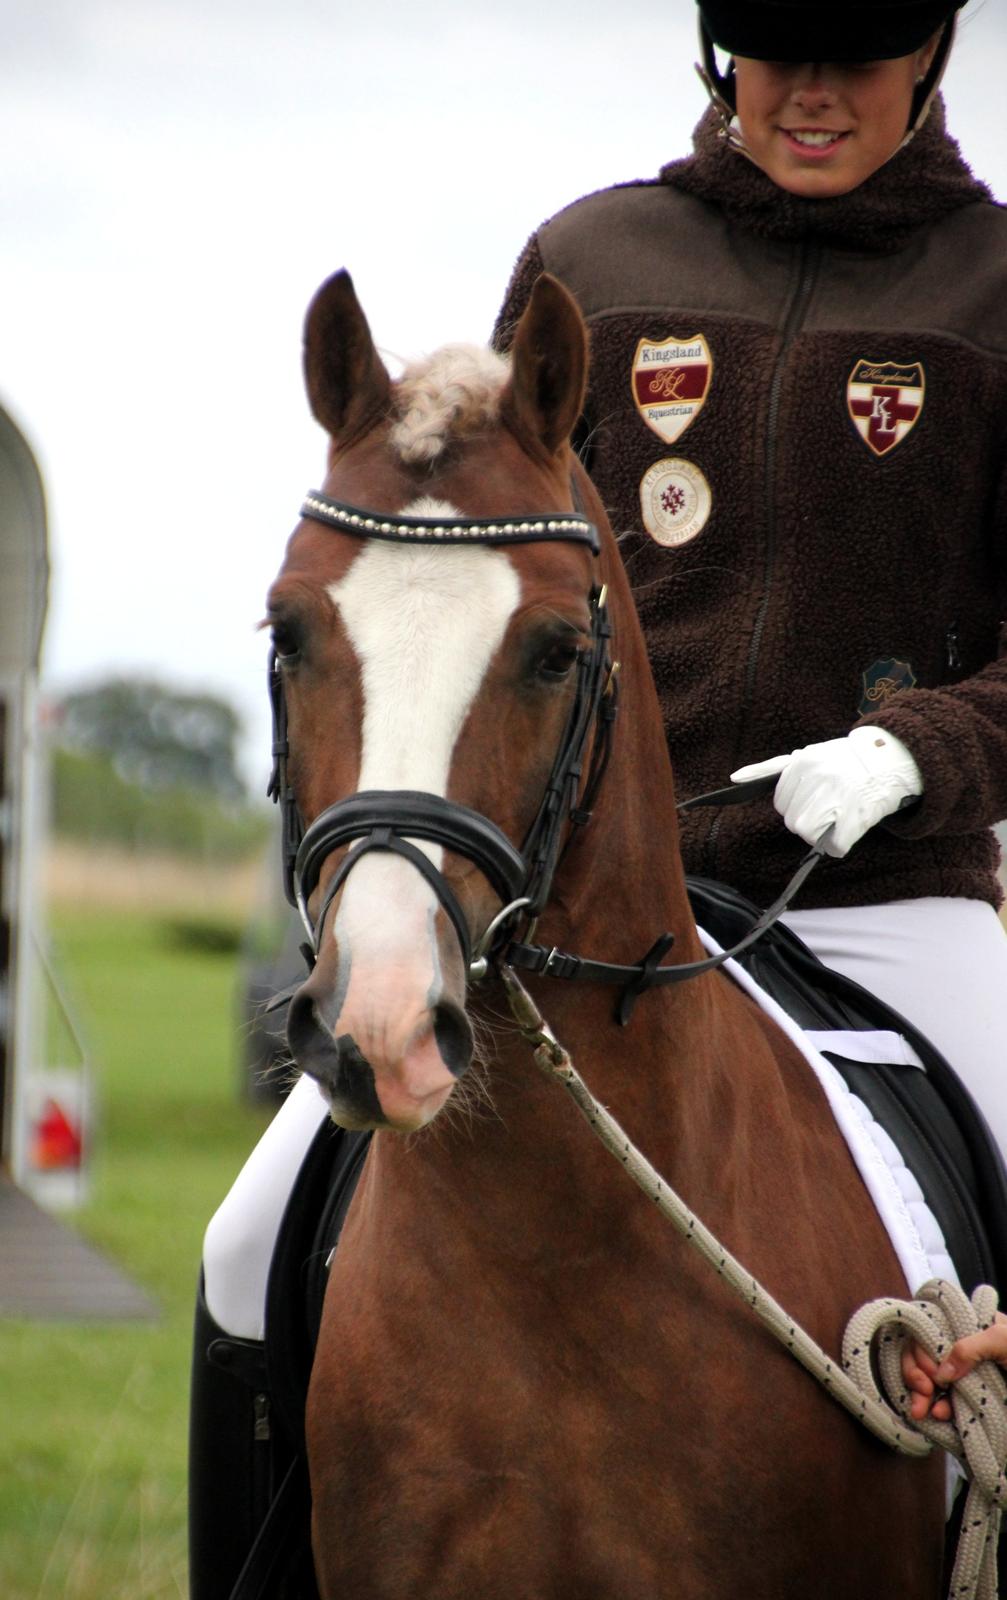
48, 1273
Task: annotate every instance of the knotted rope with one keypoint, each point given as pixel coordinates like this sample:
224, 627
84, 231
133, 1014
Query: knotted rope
939, 1316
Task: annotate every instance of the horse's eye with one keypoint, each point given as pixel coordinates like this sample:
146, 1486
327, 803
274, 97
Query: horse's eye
559, 660
286, 643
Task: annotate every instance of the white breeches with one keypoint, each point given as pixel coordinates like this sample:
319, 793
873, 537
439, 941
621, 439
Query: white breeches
942, 963
238, 1246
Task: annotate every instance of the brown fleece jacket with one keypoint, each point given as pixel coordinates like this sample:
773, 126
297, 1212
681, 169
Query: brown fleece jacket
806, 560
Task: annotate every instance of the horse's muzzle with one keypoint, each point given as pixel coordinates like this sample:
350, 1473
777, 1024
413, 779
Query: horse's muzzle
369, 1080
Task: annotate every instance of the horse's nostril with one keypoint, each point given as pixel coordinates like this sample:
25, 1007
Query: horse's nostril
453, 1033
338, 1065
311, 1044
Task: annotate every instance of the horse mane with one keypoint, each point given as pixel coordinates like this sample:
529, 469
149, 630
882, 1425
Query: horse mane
444, 397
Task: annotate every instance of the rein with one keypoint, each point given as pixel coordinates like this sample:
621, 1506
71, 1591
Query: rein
389, 820
648, 973
940, 1314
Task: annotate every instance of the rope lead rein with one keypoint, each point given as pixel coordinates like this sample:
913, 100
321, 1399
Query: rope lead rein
940, 1315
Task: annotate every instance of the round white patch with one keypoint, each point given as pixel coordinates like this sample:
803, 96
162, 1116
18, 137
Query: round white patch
675, 500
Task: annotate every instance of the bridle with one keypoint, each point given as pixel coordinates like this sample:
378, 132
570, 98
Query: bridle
389, 820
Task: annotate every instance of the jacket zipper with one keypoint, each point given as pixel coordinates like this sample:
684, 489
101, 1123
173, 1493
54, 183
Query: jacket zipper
797, 310
952, 649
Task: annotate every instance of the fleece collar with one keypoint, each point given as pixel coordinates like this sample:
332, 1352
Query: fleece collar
922, 183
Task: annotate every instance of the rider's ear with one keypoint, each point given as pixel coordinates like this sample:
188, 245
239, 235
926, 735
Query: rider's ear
545, 393
925, 55
347, 382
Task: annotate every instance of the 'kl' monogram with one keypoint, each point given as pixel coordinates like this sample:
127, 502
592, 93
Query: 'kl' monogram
885, 401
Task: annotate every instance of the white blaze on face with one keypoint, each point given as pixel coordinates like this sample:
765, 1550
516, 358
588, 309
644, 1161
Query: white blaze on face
425, 624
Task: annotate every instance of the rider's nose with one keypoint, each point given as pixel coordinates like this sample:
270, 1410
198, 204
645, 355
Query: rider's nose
813, 89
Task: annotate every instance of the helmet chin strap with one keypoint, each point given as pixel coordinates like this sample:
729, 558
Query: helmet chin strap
929, 82
722, 89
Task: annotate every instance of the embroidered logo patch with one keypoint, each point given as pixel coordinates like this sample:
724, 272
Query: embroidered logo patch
881, 680
885, 400
671, 382
675, 500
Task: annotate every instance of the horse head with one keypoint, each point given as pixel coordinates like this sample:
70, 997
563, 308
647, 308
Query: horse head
439, 638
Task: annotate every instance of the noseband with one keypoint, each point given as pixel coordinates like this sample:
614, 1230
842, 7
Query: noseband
389, 820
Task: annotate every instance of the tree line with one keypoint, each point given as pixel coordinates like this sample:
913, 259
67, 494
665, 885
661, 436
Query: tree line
141, 764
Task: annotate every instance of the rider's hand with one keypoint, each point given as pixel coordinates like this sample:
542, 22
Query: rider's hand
844, 786
926, 1379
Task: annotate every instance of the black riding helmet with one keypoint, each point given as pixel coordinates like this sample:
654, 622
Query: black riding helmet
813, 30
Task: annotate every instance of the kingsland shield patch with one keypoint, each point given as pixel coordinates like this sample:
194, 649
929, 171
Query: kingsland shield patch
671, 381
885, 399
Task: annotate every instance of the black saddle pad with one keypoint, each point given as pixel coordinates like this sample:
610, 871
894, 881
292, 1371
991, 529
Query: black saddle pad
937, 1126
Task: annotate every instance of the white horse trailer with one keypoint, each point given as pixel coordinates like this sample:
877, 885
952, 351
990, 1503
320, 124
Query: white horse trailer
24, 579
46, 1270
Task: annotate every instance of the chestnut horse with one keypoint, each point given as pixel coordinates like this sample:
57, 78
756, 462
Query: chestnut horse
526, 1385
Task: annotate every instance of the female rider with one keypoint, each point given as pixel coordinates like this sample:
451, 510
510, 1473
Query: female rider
796, 417
797, 420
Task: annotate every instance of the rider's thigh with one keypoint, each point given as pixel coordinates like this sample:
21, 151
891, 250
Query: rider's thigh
942, 963
238, 1245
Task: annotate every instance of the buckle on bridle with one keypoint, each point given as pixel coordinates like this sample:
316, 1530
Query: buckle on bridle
480, 963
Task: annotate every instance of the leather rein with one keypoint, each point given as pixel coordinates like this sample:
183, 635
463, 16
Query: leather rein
389, 820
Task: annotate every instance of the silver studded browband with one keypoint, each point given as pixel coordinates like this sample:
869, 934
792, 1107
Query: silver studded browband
450, 530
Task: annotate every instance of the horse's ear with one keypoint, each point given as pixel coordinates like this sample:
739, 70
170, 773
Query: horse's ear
346, 380
545, 394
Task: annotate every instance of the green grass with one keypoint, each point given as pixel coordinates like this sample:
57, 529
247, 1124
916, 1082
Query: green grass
93, 1418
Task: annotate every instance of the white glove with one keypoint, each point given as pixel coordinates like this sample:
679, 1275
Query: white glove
842, 787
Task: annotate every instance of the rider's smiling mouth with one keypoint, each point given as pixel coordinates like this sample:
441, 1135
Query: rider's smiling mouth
815, 139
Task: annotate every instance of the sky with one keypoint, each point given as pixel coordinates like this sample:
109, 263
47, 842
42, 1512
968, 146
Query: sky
180, 177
